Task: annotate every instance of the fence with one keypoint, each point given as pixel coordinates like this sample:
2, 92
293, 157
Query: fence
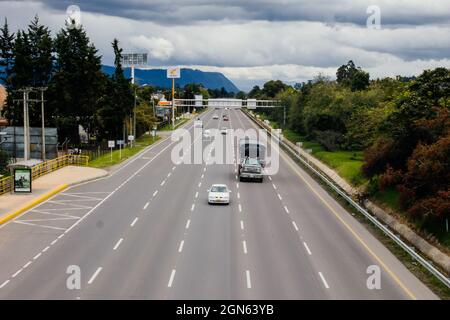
46, 167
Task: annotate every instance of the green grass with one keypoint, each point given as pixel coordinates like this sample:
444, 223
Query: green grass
390, 197
168, 126
105, 160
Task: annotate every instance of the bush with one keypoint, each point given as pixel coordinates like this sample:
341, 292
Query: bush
4, 160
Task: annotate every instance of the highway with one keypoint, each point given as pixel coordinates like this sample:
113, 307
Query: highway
147, 232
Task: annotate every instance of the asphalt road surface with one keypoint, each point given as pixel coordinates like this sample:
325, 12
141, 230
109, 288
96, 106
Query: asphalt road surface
147, 232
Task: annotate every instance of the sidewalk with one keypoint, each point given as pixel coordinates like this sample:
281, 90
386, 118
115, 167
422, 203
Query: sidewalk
44, 187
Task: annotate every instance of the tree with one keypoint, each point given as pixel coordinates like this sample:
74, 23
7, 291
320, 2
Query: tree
6, 54
119, 101
78, 87
273, 87
6, 65
350, 76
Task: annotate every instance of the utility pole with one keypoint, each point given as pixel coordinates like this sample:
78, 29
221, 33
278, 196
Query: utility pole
26, 122
43, 155
134, 116
173, 103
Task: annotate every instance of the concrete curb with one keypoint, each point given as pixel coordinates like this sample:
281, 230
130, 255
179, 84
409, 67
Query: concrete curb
27, 206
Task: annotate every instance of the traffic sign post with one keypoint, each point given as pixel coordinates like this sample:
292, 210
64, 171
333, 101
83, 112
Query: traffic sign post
173, 73
120, 143
111, 144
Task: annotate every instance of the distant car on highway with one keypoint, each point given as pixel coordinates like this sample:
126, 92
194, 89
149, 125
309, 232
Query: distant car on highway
219, 193
225, 118
224, 130
215, 117
250, 169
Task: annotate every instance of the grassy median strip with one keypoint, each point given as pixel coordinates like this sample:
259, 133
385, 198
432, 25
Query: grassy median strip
105, 160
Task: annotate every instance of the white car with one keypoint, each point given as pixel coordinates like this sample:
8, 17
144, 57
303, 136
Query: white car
224, 130
215, 117
219, 193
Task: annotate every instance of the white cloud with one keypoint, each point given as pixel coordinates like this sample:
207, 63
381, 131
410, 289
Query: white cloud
159, 48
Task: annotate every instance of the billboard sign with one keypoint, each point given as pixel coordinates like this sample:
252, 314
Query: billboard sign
173, 72
22, 180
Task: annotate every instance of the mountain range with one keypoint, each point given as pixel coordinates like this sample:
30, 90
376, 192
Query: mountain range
158, 78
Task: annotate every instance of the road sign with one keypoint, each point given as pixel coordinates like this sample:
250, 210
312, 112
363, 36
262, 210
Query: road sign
173, 73
131, 137
111, 144
120, 142
134, 59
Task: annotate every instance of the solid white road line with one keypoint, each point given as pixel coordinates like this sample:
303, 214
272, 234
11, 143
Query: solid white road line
118, 244
244, 246
307, 248
286, 209
134, 222
4, 284
155, 193
95, 275
242, 225
323, 280
180, 248
249, 282
295, 225
188, 224
172, 276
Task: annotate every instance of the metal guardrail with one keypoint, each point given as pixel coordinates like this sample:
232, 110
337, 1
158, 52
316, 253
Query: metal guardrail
46, 167
5, 185
57, 163
410, 250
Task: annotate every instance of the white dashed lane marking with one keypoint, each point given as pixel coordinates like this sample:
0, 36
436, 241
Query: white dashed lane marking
95, 275
180, 248
295, 225
4, 284
307, 248
249, 281
172, 276
134, 222
188, 224
146, 205
323, 280
155, 193
118, 244
286, 209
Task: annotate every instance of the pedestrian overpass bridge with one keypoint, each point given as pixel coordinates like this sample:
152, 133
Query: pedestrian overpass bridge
227, 103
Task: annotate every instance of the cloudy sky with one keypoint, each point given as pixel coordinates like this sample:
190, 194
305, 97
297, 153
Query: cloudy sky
256, 40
